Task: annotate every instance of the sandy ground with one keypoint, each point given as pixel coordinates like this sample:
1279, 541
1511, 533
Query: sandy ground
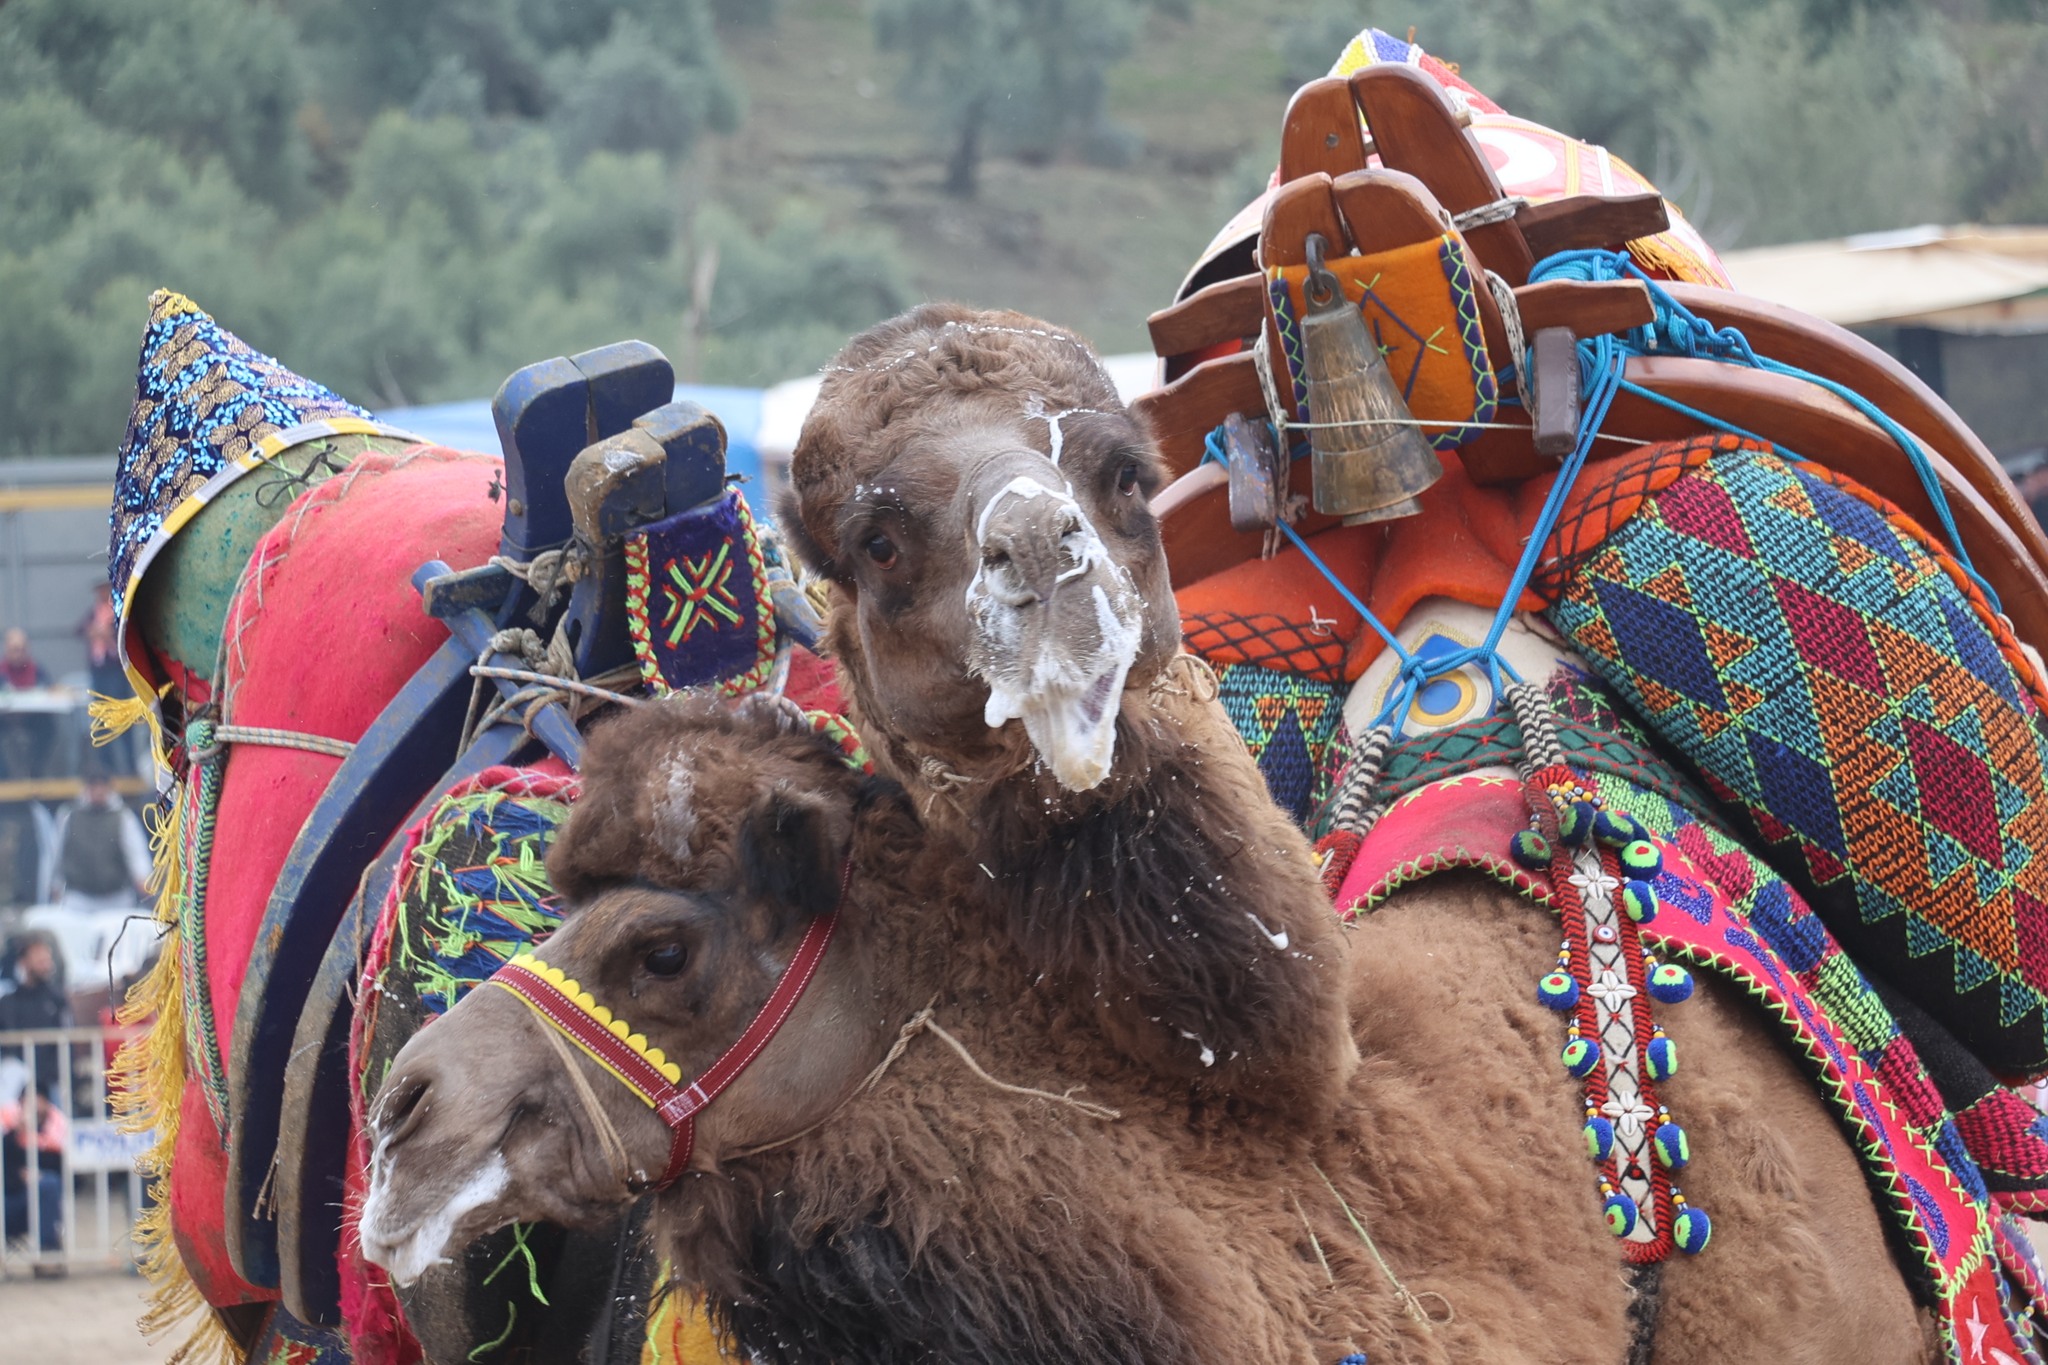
87, 1319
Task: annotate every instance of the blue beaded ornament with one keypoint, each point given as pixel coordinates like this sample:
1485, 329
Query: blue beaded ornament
1575, 822
1641, 858
1530, 849
1639, 901
1599, 1136
1670, 983
1620, 1211
1580, 1056
1674, 1150
1691, 1229
1660, 1058
1558, 991
1615, 829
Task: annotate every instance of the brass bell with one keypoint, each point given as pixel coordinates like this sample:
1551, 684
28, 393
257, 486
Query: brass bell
1369, 457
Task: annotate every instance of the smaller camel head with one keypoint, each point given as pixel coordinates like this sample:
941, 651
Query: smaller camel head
972, 481
702, 848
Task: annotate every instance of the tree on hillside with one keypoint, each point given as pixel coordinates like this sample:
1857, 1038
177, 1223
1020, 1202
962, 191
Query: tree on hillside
403, 201
1029, 72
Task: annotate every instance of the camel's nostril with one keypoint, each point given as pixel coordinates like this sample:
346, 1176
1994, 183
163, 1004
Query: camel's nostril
402, 1107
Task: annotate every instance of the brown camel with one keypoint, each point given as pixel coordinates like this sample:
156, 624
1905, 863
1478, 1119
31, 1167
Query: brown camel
977, 495
1456, 1142
1006, 1189
964, 1205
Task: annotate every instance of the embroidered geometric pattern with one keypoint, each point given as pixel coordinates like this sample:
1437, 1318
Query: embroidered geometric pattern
1497, 742
476, 893
1472, 340
1836, 681
697, 604
1274, 642
1288, 723
1720, 909
203, 399
1613, 1042
1723, 909
1425, 325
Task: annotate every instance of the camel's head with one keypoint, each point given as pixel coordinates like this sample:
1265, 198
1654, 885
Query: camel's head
973, 484
702, 849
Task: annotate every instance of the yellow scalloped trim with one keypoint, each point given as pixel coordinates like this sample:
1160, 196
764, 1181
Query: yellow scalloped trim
611, 1023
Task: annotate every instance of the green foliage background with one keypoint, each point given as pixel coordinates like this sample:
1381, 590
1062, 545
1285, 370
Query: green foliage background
409, 200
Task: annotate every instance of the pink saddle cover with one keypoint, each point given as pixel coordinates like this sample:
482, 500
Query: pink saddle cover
324, 631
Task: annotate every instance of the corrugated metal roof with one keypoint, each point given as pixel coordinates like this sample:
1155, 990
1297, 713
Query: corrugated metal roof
1988, 279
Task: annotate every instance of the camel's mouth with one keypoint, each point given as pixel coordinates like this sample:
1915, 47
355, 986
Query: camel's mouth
1069, 694
1058, 623
409, 1246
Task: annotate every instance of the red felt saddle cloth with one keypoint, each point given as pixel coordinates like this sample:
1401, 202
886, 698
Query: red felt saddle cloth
323, 633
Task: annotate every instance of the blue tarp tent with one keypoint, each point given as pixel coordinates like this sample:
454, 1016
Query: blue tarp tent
468, 426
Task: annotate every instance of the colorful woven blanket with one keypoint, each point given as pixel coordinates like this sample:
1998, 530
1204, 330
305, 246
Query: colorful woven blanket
1839, 682
1721, 909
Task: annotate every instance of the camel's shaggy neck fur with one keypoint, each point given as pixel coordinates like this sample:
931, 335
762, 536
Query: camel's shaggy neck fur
1178, 901
935, 1217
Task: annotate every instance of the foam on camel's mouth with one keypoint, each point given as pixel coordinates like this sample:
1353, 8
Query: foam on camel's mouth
1074, 731
408, 1252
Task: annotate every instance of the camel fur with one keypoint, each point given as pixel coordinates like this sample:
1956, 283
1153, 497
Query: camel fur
933, 1214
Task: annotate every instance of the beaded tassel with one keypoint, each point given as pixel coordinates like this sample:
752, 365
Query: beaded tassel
1603, 865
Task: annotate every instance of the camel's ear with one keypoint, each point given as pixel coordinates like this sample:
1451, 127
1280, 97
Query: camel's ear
791, 849
798, 536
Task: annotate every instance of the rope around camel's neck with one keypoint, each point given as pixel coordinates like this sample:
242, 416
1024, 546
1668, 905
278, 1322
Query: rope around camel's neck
926, 1021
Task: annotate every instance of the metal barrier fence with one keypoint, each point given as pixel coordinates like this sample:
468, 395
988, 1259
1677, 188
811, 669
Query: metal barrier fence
70, 1189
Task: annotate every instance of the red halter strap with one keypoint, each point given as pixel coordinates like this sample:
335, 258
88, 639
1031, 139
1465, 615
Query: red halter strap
611, 1043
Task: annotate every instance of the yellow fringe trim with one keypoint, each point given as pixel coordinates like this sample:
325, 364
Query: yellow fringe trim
149, 1083
113, 717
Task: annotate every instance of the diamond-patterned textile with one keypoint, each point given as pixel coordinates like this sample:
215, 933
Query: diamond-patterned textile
1288, 722
1726, 911
1837, 681
1269, 641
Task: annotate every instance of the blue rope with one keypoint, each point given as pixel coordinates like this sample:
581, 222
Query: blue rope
1677, 330
1603, 360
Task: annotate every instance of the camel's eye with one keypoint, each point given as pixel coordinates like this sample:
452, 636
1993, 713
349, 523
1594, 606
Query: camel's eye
881, 550
1127, 478
667, 960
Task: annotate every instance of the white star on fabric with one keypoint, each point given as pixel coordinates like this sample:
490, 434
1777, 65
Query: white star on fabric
1628, 1118
1977, 1328
1595, 884
1612, 991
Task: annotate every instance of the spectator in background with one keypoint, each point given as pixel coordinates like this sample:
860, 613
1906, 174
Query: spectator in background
31, 1117
102, 854
38, 1000
31, 1122
25, 738
106, 677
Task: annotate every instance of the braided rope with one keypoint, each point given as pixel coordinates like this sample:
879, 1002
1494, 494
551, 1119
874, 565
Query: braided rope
202, 1030
1355, 812
222, 735
1537, 722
